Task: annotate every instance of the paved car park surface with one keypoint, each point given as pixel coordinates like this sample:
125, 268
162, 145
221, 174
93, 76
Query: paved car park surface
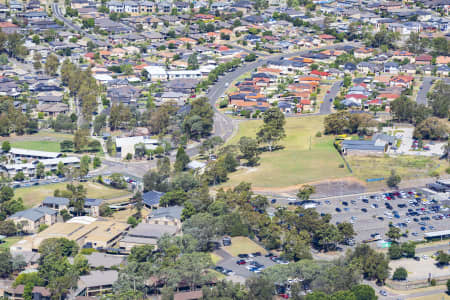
229, 263
370, 215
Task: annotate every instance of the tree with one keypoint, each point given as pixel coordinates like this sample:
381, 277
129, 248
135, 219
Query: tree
393, 180
84, 165
395, 251
141, 254
193, 62
40, 169
182, 160
203, 227
81, 264
6, 266
409, 249
8, 228
415, 44
305, 192
393, 233
249, 150
97, 162
364, 292
105, 210
77, 197
442, 258
432, 128
80, 139
20, 176
51, 64
441, 46
199, 122
347, 231
448, 286
37, 57
6, 146
400, 274
260, 288
272, 130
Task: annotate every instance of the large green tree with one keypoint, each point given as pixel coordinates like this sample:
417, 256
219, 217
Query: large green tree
272, 130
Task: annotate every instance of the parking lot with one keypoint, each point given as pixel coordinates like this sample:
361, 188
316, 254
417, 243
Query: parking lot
229, 263
370, 215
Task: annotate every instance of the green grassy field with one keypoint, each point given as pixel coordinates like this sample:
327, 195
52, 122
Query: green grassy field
408, 167
34, 195
9, 241
305, 157
51, 146
243, 245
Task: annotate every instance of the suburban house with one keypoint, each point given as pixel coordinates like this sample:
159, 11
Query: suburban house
92, 206
166, 216
56, 203
38, 293
32, 218
151, 198
146, 234
97, 283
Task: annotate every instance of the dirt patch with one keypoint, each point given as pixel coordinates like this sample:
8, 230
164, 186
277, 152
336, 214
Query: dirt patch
324, 188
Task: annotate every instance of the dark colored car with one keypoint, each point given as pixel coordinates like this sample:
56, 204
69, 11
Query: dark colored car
338, 209
243, 255
364, 209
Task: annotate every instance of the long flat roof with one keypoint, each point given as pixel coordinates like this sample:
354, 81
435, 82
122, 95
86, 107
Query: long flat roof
19, 151
437, 233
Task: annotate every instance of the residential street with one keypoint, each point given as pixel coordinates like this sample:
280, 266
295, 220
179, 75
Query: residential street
325, 108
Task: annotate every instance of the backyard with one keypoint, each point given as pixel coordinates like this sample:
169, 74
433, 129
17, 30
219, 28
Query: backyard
304, 158
34, 195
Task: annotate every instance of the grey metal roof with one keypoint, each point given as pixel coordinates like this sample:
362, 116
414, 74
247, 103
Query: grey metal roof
171, 212
99, 278
56, 200
34, 214
152, 197
144, 230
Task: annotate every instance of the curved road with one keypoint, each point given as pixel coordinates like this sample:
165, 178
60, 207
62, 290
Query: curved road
223, 125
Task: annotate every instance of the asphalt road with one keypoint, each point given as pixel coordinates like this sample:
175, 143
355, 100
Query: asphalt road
325, 108
421, 97
68, 23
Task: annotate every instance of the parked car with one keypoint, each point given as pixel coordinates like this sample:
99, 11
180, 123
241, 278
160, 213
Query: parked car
241, 262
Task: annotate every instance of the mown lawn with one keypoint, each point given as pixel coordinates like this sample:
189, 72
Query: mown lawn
305, 157
243, 245
51, 146
34, 195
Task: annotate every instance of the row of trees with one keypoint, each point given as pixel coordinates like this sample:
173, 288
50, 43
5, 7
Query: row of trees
81, 85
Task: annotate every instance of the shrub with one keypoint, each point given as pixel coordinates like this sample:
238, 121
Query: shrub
400, 274
341, 166
318, 134
433, 282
